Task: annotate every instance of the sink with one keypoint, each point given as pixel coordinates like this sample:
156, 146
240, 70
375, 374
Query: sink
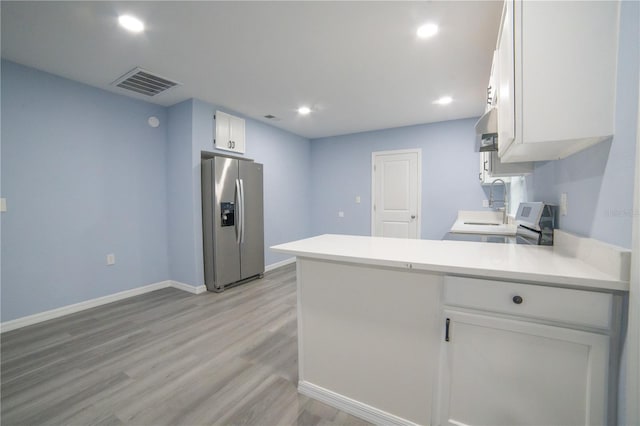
482, 223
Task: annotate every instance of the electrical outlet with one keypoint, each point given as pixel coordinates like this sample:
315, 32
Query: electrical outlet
485, 203
341, 214
111, 259
563, 204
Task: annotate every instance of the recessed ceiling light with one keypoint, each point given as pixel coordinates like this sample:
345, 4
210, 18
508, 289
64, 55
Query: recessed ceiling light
131, 23
443, 100
304, 110
427, 30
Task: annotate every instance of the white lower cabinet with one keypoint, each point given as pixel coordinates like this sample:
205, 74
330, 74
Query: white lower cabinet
498, 371
512, 355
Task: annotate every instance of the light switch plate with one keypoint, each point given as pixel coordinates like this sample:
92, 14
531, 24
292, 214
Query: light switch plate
563, 204
3, 205
111, 259
340, 214
357, 199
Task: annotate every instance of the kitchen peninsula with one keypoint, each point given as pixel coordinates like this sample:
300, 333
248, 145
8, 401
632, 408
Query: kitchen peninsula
444, 332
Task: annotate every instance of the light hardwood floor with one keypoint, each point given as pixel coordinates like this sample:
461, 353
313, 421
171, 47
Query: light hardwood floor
165, 358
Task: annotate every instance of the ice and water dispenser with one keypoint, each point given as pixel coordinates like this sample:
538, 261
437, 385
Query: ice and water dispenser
228, 214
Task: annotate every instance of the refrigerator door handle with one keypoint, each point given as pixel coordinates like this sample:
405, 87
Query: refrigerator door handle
238, 224
242, 210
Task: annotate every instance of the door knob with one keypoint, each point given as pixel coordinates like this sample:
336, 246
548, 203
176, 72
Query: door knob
413, 216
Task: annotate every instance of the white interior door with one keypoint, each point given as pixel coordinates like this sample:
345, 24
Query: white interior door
396, 194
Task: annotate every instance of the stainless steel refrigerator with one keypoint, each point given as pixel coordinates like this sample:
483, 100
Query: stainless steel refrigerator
233, 225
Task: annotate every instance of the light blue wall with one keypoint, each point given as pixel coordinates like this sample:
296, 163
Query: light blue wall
287, 160
599, 180
341, 170
84, 175
182, 240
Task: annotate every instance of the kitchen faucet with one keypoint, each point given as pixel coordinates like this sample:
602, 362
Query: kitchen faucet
505, 200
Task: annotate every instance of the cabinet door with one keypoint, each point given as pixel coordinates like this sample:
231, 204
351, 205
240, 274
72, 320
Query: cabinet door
491, 168
506, 80
499, 169
493, 81
222, 130
483, 174
229, 132
498, 371
237, 134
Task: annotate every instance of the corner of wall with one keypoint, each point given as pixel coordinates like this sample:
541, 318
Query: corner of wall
180, 184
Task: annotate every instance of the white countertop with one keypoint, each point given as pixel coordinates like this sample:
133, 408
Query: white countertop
469, 222
460, 227
540, 264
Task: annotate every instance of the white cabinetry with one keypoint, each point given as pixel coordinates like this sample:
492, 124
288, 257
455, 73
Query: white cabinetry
492, 168
522, 354
556, 77
229, 132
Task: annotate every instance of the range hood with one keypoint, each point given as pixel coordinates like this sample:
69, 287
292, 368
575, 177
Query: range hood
487, 129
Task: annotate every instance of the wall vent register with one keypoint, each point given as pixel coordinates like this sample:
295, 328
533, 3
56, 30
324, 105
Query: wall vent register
144, 82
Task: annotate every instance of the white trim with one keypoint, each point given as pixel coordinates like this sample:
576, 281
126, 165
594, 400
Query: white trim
373, 190
300, 318
351, 406
81, 306
632, 344
188, 288
92, 303
280, 264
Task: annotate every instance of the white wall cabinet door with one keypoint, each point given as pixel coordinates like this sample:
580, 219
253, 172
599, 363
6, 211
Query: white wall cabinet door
505, 80
230, 134
396, 194
557, 77
492, 168
498, 371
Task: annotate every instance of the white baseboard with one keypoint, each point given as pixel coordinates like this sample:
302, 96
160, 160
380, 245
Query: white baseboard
92, 303
280, 264
351, 406
81, 306
187, 287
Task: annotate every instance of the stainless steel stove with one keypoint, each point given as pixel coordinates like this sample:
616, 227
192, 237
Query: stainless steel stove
536, 222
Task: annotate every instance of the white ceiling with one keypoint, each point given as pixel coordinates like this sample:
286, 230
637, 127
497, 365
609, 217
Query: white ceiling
359, 65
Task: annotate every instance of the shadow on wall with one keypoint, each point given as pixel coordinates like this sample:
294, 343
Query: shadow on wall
581, 177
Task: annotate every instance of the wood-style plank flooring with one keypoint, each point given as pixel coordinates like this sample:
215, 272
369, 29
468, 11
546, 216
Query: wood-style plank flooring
165, 358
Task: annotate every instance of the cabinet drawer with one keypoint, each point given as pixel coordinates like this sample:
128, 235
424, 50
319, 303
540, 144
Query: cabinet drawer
577, 307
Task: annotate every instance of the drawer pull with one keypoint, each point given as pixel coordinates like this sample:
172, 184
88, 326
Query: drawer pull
517, 300
446, 330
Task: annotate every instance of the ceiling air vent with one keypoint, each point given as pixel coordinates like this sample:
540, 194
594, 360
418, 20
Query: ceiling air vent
271, 117
144, 82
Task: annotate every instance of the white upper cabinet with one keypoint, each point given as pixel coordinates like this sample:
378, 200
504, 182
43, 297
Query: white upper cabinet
493, 81
556, 77
229, 132
492, 168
